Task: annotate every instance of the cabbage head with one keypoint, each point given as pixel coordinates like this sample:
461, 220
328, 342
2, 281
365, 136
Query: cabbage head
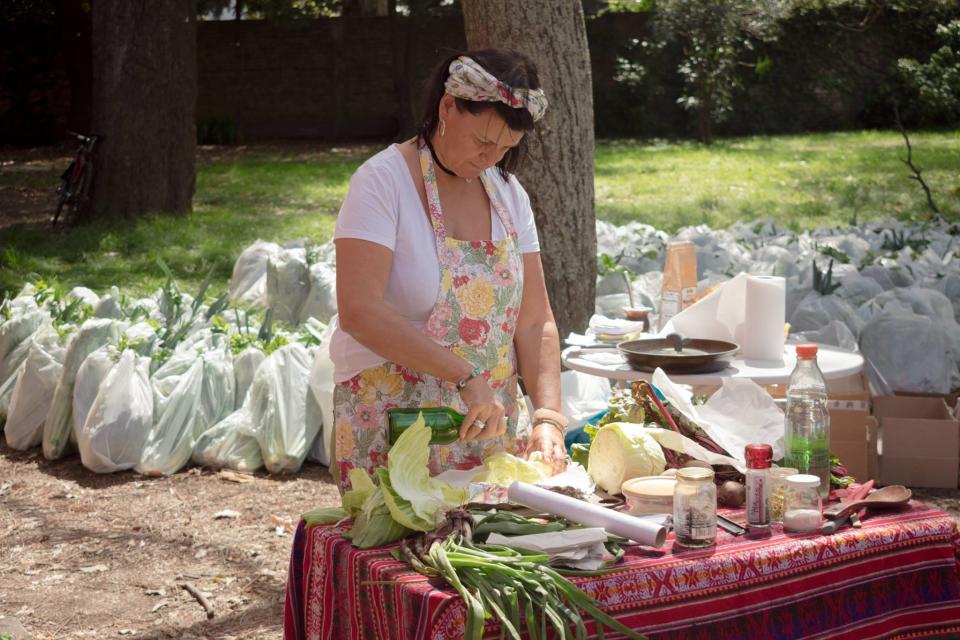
621, 451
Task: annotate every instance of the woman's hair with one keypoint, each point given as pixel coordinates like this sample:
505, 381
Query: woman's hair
511, 67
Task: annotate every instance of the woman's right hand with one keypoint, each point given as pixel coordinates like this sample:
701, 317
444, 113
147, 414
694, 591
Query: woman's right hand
485, 419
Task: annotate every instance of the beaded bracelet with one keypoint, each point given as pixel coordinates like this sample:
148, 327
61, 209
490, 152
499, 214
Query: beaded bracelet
550, 416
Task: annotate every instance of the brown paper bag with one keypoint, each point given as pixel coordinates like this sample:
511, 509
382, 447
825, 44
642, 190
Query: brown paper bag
679, 280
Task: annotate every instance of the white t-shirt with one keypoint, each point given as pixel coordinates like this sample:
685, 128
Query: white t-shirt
383, 206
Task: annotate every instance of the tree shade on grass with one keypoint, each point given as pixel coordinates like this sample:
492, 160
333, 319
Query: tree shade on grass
800, 182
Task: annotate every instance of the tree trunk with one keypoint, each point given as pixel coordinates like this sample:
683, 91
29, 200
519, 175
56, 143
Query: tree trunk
144, 104
559, 172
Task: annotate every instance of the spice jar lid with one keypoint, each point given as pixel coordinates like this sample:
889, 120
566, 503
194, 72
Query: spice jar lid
758, 456
694, 473
803, 480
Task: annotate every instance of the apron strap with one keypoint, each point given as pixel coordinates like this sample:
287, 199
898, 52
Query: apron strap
505, 219
433, 196
433, 199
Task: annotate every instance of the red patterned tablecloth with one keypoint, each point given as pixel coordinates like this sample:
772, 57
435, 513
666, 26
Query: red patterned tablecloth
897, 577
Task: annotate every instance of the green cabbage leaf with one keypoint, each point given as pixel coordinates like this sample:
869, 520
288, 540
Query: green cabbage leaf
623, 450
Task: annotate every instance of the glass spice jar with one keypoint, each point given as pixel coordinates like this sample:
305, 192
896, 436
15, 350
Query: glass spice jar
695, 507
776, 497
803, 510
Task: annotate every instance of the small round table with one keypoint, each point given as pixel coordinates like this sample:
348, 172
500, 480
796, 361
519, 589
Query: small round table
834, 363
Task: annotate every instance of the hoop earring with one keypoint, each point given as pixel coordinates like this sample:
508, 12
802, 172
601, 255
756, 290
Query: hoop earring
443, 127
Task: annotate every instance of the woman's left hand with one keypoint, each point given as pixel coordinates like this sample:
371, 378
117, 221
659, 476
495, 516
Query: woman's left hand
548, 440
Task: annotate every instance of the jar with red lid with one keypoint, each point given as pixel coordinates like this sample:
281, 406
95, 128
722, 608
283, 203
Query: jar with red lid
759, 457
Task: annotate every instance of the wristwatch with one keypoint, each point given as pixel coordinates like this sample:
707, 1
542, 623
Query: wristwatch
473, 374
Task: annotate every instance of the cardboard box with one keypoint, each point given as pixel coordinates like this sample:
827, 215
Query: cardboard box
919, 442
852, 436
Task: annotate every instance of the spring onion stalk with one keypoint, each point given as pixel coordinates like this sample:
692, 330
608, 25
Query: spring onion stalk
510, 585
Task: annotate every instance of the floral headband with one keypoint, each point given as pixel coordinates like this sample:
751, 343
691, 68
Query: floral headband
470, 81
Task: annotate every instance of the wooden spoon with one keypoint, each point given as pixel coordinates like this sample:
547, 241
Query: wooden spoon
893, 496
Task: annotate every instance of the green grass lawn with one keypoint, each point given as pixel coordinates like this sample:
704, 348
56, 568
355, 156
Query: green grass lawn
282, 193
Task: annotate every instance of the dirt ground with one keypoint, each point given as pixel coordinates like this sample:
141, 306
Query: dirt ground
93, 556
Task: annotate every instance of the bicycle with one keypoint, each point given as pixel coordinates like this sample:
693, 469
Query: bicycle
77, 181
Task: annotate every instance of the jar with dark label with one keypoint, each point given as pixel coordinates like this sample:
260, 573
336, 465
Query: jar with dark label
695, 508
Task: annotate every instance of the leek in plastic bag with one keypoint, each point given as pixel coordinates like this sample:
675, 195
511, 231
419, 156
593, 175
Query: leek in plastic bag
92, 335
227, 445
192, 392
16, 338
248, 284
279, 407
33, 392
245, 366
288, 282
91, 375
321, 298
113, 435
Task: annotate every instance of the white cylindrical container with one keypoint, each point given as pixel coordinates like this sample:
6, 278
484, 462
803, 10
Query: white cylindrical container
803, 511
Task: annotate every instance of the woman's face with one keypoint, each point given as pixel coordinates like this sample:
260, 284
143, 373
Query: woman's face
472, 143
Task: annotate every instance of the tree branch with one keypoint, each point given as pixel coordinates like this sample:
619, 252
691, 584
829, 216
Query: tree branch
909, 160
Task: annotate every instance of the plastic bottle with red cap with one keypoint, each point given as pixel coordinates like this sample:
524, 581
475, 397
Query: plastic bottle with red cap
758, 458
807, 420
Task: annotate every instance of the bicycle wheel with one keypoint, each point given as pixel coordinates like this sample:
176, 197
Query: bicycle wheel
64, 191
80, 194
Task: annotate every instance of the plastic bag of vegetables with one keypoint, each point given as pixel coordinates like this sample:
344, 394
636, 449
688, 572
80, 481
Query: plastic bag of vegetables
192, 392
91, 375
116, 426
92, 335
33, 392
288, 282
278, 408
16, 337
227, 445
245, 365
321, 299
248, 284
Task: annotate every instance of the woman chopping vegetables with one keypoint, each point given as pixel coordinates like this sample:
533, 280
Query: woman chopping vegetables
440, 287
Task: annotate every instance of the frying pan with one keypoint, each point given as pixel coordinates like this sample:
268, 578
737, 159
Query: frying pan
694, 355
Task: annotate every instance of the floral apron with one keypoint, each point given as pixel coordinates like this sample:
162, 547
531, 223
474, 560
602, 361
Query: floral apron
475, 315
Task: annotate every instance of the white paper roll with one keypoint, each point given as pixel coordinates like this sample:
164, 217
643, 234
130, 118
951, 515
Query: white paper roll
765, 316
615, 522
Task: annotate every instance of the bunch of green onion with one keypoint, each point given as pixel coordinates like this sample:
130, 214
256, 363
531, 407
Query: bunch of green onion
516, 586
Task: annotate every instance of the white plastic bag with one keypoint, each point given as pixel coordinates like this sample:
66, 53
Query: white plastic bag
321, 385
582, 396
90, 376
15, 340
321, 300
58, 428
834, 332
113, 435
244, 369
192, 392
248, 284
86, 296
816, 311
109, 306
33, 392
278, 408
911, 352
288, 282
228, 444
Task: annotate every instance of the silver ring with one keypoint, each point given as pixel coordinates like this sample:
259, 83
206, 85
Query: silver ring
479, 423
